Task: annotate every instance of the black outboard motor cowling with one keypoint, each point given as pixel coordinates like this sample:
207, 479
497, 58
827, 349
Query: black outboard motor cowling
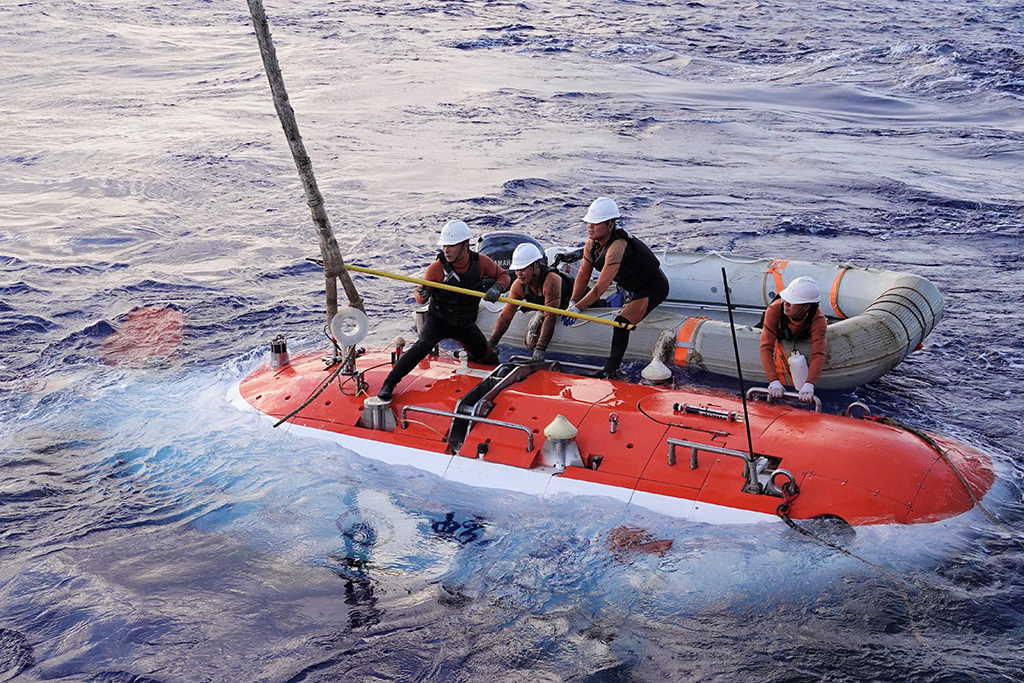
500, 245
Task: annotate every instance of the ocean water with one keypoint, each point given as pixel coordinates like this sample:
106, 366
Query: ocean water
151, 532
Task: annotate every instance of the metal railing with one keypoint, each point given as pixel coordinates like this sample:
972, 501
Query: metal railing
857, 405
753, 392
752, 485
471, 418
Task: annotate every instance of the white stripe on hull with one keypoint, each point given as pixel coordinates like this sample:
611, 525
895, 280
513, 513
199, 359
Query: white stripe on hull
539, 482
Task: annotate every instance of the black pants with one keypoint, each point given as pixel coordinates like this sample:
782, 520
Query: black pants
655, 291
434, 331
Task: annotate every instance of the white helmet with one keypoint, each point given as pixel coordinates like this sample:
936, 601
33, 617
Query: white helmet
525, 254
454, 232
803, 290
603, 209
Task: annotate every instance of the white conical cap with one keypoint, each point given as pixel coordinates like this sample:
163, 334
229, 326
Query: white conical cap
656, 372
560, 428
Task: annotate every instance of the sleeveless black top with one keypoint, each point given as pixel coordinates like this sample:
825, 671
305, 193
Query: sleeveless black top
567, 284
639, 264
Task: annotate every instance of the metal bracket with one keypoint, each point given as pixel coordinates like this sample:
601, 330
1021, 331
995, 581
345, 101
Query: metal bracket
752, 485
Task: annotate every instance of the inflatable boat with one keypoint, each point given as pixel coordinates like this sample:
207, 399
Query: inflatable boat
693, 454
876, 317
699, 455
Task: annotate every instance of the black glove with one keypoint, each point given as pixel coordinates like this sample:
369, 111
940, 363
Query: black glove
493, 293
538, 355
570, 257
423, 292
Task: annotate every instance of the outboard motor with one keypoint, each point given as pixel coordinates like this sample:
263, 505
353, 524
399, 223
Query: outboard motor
498, 246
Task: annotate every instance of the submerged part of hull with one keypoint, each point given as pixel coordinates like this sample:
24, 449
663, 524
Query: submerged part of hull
680, 452
876, 317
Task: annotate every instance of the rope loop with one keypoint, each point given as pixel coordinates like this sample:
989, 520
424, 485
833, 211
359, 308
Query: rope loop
790, 491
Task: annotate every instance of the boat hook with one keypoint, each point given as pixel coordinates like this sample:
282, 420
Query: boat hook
473, 292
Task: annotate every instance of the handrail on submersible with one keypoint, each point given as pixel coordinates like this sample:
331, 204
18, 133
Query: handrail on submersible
471, 418
749, 472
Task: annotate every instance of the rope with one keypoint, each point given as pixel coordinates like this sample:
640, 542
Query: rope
444, 437
334, 265
473, 292
728, 258
361, 386
323, 385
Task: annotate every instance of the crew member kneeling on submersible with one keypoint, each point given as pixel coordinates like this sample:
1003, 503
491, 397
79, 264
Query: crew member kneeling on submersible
622, 258
793, 316
452, 315
535, 283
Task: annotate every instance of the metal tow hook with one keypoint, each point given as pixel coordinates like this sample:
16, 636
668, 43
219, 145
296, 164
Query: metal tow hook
613, 423
789, 493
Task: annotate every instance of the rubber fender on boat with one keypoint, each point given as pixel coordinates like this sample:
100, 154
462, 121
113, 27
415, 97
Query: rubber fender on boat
684, 339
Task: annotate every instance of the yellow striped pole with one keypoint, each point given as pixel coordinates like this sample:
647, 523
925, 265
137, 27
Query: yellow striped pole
473, 292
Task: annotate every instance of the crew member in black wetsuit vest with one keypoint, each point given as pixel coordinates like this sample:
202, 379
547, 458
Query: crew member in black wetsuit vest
452, 315
538, 284
622, 258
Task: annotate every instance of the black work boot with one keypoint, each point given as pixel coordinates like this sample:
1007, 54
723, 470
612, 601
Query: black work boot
609, 371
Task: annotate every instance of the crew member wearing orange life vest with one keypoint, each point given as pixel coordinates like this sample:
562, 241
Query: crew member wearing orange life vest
793, 316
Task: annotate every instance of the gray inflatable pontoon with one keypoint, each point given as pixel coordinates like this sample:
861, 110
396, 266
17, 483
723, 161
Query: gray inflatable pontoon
876, 317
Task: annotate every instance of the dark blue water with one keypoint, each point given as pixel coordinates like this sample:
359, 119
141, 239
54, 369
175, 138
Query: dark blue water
150, 532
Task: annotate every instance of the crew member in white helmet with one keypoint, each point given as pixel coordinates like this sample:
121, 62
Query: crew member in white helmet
793, 316
452, 315
621, 258
538, 284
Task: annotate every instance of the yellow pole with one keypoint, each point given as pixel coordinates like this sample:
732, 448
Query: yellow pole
473, 292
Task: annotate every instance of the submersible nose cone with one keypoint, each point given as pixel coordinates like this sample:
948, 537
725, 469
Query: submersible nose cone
560, 429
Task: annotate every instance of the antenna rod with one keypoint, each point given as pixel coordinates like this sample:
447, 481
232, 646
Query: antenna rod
334, 265
739, 367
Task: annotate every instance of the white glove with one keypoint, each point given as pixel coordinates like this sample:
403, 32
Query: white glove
569, 320
807, 392
775, 389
